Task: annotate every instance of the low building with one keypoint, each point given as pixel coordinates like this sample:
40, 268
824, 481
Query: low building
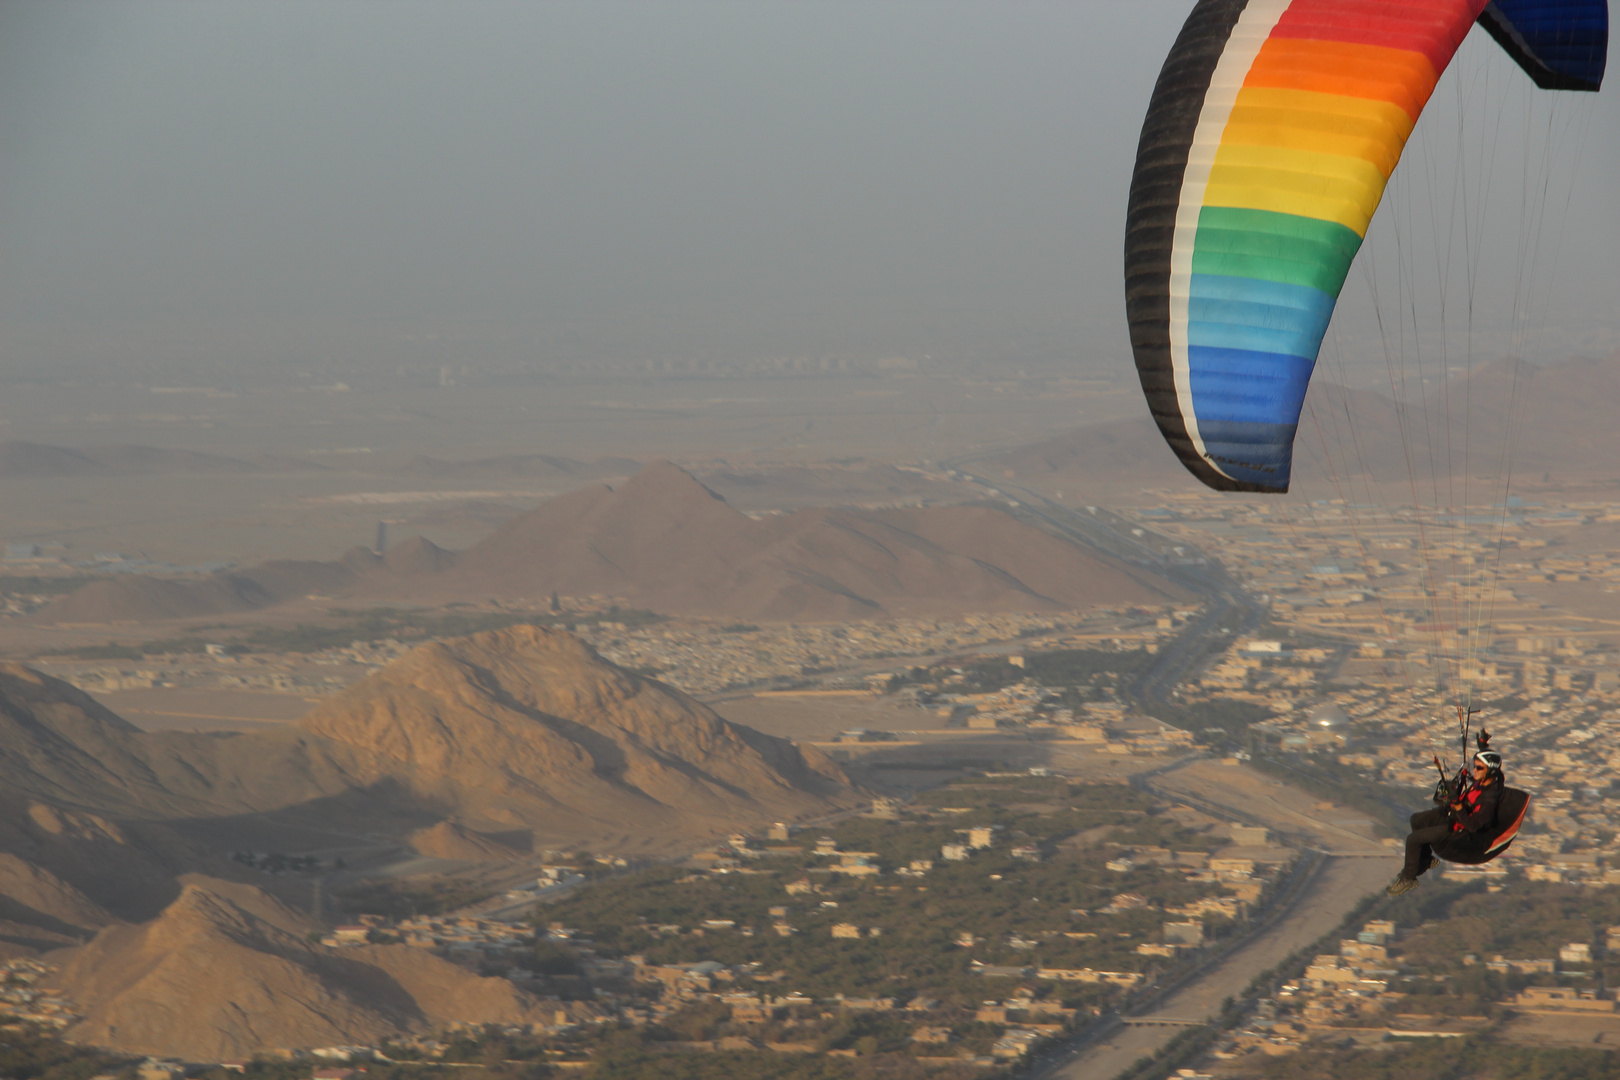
1561, 999
1190, 932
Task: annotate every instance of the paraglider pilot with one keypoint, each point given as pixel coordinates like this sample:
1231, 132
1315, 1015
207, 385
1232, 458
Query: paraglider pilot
1462, 825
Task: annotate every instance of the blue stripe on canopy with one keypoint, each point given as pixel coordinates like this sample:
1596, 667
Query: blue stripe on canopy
1253, 453
1562, 44
1257, 316
1246, 385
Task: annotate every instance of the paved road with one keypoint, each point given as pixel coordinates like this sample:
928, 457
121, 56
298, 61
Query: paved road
1231, 611
1358, 865
1094, 528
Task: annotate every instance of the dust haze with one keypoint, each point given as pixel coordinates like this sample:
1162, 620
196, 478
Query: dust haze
459, 462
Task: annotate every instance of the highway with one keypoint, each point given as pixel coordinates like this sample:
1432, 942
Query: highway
1337, 868
1231, 611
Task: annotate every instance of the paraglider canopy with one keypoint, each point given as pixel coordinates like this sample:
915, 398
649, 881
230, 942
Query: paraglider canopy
1271, 134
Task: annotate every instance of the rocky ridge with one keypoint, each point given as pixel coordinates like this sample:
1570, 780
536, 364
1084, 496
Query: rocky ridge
664, 541
505, 741
227, 971
529, 727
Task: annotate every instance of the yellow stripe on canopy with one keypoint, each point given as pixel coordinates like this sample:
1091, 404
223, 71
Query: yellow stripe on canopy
1328, 187
1374, 131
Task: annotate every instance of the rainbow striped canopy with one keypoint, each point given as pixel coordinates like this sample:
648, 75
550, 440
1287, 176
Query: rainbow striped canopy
1273, 128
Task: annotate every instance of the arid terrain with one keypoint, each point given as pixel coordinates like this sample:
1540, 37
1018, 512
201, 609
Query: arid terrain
523, 733
580, 541
226, 970
551, 676
306, 471
663, 541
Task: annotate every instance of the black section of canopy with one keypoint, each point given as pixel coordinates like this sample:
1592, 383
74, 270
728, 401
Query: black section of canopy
1150, 220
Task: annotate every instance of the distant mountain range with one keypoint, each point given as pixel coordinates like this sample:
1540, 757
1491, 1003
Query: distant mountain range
664, 541
1546, 424
546, 466
27, 460
138, 598
20, 459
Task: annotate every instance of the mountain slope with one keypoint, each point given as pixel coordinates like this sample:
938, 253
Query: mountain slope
664, 541
226, 971
59, 744
528, 726
518, 728
447, 840
67, 872
132, 598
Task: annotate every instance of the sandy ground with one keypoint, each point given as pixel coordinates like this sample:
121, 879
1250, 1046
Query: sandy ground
924, 745
1551, 1029
24, 638
205, 710
1593, 603
1287, 809
819, 718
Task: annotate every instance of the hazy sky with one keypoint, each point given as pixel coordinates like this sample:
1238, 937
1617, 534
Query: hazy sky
322, 185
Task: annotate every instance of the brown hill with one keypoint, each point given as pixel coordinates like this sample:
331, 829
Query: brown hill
518, 728
448, 840
503, 738
129, 598
664, 541
134, 598
86, 800
226, 971
417, 556
529, 727
60, 745
39, 911
65, 873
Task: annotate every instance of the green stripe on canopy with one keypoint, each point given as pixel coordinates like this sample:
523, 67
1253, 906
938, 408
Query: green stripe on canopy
1269, 246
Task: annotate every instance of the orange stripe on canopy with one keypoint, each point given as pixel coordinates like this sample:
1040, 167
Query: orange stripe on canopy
1399, 76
